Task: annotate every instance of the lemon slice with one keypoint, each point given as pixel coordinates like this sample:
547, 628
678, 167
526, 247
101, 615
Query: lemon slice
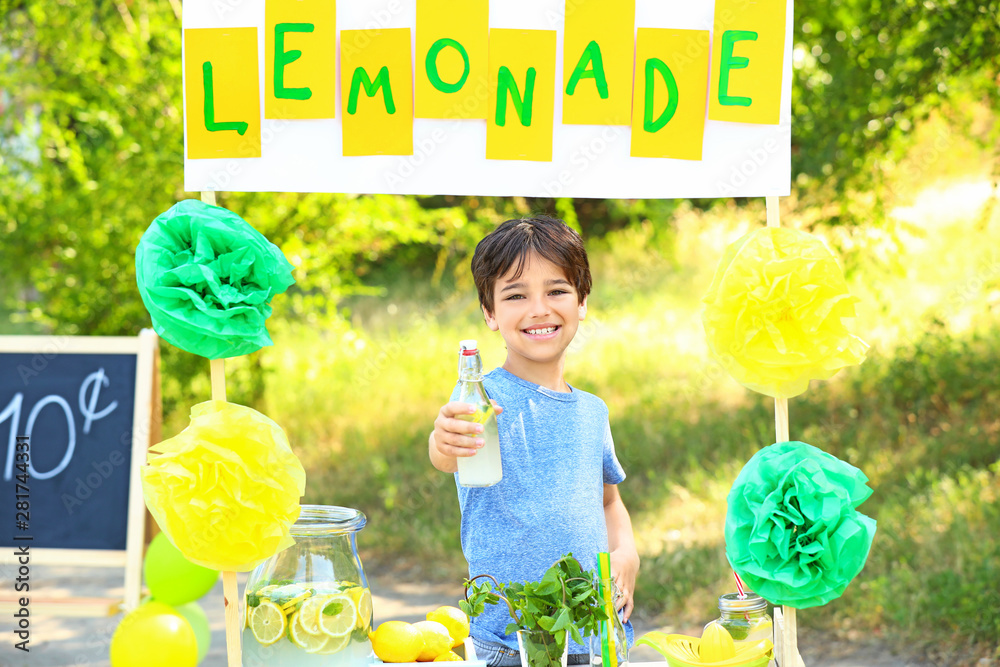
311, 642
336, 644
294, 602
338, 622
268, 623
363, 600
480, 416
310, 611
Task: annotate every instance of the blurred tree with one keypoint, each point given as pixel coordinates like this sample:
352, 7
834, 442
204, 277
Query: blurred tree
88, 133
866, 72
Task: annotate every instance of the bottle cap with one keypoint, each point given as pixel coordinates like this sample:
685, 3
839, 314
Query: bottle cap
468, 347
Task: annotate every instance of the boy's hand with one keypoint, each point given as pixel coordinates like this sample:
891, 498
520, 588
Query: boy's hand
624, 569
453, 437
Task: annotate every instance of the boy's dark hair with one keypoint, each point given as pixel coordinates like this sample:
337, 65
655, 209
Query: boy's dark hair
511, 243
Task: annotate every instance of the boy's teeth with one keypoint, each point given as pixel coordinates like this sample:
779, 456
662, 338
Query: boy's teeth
541, 332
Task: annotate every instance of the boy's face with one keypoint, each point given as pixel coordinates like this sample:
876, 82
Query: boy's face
537, 313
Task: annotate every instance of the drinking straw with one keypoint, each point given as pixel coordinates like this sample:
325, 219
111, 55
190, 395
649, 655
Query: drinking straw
609, 654
739, 586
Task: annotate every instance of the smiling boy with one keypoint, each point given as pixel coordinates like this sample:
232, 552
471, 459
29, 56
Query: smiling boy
559, 492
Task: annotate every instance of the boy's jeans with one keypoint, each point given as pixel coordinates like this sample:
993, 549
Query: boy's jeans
498, 655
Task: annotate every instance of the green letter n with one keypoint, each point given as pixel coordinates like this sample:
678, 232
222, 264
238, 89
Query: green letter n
730, 62
360, 78
506, 84
210, 124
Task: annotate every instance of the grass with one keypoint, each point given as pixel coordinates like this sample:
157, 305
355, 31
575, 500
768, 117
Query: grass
918, 417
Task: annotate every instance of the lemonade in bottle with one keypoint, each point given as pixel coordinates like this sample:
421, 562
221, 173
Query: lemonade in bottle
483, 469
745, 618
309, 605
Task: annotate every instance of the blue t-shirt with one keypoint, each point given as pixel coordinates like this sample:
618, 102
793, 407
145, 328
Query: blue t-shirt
557, 454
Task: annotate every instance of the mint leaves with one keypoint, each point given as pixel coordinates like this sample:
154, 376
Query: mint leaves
565, 601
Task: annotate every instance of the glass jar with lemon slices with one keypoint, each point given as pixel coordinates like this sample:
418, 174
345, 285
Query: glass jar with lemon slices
309, 605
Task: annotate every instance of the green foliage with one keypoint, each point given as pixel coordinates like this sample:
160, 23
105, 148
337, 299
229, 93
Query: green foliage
565, 601
89, 157
866, 73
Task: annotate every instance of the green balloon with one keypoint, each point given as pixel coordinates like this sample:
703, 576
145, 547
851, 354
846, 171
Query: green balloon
172, 578
196, 616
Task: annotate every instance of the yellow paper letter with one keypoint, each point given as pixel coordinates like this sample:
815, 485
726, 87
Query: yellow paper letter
376, 92
222, 93
748, 48
522, 95
300, 58
452, 57
668, 104
597, 62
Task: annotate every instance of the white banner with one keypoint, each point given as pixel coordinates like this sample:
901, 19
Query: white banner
449, 156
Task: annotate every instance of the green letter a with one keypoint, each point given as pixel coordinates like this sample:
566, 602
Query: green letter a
591, 55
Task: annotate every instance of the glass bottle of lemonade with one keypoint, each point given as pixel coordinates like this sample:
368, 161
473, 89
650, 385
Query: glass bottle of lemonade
309, 605
483, 469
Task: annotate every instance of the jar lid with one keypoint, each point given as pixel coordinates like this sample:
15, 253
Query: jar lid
731, 602
327, 520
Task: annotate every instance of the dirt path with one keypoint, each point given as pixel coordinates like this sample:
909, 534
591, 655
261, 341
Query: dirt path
71, 642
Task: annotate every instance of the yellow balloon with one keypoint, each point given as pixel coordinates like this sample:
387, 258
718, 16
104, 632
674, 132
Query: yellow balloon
154, 635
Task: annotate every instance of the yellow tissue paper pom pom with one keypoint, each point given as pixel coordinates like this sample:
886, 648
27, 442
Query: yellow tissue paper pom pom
226, 489
775, 313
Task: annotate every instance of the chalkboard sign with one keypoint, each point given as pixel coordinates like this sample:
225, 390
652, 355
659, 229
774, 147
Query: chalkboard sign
81, 407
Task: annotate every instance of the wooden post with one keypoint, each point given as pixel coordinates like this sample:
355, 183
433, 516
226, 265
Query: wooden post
786, 641
230, 590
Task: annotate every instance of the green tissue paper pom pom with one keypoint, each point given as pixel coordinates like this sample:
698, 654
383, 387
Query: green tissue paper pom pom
207, 279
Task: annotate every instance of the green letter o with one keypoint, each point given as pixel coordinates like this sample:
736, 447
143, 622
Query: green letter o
432, 70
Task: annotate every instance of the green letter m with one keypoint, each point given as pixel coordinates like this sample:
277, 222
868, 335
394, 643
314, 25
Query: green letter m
360, 78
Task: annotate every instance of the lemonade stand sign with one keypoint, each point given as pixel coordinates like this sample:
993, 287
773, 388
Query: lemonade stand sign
567, 98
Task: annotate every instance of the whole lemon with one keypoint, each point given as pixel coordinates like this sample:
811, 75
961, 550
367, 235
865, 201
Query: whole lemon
396, 641
437, 640
450, 656
455, 620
